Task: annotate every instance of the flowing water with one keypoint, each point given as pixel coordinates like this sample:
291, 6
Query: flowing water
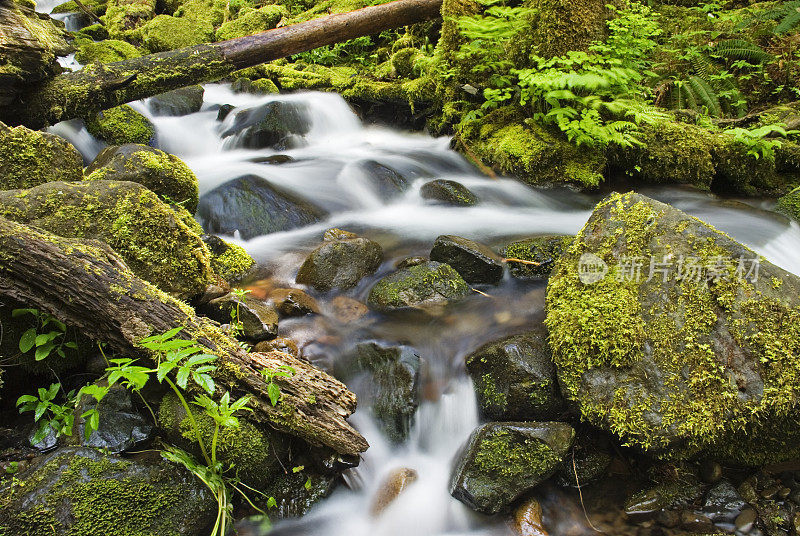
326, 169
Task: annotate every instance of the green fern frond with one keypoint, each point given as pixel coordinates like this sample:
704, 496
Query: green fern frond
739, 49
789, 22
705, 95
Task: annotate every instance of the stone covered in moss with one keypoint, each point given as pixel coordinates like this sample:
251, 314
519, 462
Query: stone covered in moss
543, 250
515, 379
168, 33
689, 360
229, 261
183, 101
29, 158
447, 192
252, 21
789, 204
107, 51
81, 491
340, 264
503, 461
152, 239
423, 285
162, 173
121, 125
403, 62
256, 453
123, 18
739, 173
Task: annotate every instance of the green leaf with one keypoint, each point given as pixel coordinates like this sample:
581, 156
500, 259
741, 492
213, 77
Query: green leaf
16, 313
41, 408
43, 351
274, 393
25, 399
271, 502
27, 340
182, 378
205, 381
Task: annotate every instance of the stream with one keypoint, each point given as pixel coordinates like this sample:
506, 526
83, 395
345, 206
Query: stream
327, 169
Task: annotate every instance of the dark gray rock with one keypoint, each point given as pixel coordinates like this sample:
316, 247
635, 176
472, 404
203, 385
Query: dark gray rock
121, 425
676, 489
252, 206
276, 124
259, 321
448, 193
515, 378
340, 264
224, 110
503, 461
81, 491
423, 285
723, 503
183, 101
544, 250
475, 262
387, 182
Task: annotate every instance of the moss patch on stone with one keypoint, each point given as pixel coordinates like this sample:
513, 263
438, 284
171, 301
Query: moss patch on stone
107, 51
121, 125
168, 33
29, 158
252, 21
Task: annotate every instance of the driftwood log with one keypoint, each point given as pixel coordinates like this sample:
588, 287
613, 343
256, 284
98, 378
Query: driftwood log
99, 87
88, 286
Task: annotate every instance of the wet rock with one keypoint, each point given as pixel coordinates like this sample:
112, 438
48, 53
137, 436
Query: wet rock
296, 493
276, 124
543, 250
395, 483
273, 160
386, 182
183, 101
29, 158
253, 207
723, 503
710, 471
347, 310
340, 264
121, 125
423, 285
287, 346
672, 362
153, 239
696, 523
408, 262
229, 261
515, 378
447, 192
121, 426
669, 492
259, 320
475, 262
81, 491
334, 234
293, 302
744, 521
165, 174
528, 519
503, 461
586, 464
224, 111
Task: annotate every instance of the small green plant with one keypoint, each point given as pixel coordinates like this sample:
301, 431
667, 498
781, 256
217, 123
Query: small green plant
222, 413
47, 413
48, 336
757, 142
237, 327
273, 390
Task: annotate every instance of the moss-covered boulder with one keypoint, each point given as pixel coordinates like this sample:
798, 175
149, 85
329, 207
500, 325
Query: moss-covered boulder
81, 491
257, 454
229, 261
253, 207
183, 101
740, 173
29, 158
168, 33
107, 51
789, 204
699, 354
340, 264
252, 21
123, 18
165, 174
475, 262
121, 125
423, 285
447, 192
152, 238
515, 379
544, 251
503, 461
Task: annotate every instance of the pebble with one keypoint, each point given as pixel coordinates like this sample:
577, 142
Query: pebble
744, 521
528, 519
347, 310
408, 262
331, 235
392, 486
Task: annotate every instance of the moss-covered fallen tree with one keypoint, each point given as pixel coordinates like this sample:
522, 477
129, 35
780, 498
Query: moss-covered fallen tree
86, 284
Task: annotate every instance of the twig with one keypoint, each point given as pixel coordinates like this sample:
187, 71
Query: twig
522, 261
486, 170
88, 12
580, 495
481, 293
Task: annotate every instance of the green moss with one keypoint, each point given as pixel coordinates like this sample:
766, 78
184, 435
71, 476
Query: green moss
252, 21
123, 18
168, 33
423, 283
544, 250
501, 453
743, 174
563, 25
233, 264
492, 397
789, 204
107, 51
97, 7
121, 125
326, 7
207, 13
403, 62
29, 158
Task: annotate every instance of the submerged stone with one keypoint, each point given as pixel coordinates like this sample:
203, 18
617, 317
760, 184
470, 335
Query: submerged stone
165, 174
395, 483
503, 461
277, 124
253, 207
29, 158
340, 264
293, 302
515, 378
448, 192
422, 285
703, 355
385, 181
475, 262
81, 491
183, 101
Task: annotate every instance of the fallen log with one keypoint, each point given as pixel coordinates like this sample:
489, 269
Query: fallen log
98, 87
87, 285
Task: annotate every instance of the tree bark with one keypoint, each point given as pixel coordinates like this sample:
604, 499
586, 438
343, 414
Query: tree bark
87, 285
98, 87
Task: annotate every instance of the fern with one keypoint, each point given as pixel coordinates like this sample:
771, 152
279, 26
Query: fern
705, 95
739, 49
790, 21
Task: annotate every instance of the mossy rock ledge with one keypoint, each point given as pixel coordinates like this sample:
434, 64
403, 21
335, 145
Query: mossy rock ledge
702, 357
29, 158
81, 491
152, 238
